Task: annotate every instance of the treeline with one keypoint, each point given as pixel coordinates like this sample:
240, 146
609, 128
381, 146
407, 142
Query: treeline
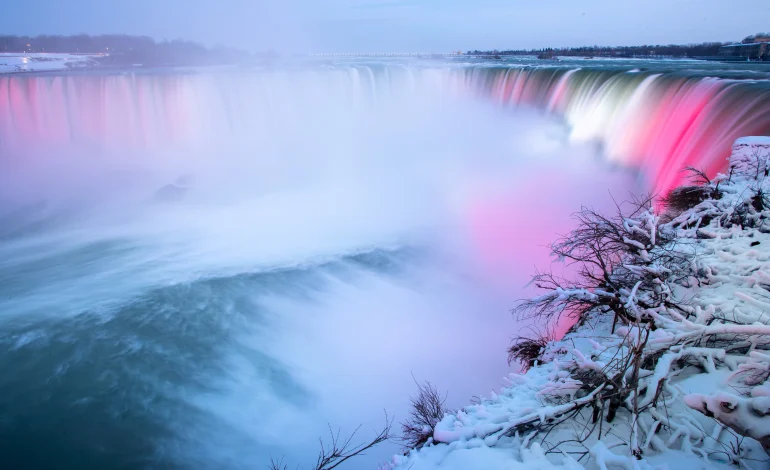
123, 49
756, 37
671, 50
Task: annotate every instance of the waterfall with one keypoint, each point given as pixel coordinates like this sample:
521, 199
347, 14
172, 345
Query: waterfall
656, 122
195, 265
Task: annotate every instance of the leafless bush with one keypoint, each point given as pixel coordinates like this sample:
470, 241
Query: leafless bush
338, 450
626, 264
526, 350
623, 265
686, 197
428, 408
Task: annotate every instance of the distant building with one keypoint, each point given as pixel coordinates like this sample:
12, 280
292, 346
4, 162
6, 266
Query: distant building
759, 50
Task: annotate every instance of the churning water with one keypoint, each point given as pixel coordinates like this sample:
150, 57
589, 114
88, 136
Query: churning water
202, 270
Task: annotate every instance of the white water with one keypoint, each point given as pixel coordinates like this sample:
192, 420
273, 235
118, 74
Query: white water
461, 197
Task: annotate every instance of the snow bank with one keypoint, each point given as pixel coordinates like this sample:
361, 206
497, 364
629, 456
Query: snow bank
752, 141
703, 399
43, 62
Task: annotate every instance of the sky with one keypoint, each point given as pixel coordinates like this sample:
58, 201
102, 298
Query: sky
395, 25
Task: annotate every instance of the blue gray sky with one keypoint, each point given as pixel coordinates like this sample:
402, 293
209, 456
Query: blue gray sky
396, 25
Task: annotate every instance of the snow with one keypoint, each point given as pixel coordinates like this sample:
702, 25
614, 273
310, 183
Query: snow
753, 141
705, 404
11, 62
480, 456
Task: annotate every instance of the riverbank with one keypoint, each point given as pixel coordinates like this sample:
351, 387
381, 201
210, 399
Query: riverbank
668, 363
20, 62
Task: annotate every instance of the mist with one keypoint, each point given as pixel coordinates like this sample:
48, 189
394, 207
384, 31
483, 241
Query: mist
305, 253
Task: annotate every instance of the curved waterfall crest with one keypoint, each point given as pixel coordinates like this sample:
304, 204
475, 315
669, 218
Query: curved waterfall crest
658, 122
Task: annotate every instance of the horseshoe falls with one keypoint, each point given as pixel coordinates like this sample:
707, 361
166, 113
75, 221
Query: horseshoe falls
206, 268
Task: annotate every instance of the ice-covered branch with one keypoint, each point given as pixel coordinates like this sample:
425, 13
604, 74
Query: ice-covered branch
748, 417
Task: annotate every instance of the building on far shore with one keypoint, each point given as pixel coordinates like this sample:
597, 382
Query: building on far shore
756, 50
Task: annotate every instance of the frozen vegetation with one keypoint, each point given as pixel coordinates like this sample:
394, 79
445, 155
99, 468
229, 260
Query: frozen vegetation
668, 361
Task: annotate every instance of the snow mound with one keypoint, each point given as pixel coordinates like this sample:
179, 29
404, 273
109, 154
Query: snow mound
680, 381
43, 62
752, 141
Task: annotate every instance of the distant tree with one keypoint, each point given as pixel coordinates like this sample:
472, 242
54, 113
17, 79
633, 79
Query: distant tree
754, 37
646, 50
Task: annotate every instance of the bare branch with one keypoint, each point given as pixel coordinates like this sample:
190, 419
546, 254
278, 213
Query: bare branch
336, 450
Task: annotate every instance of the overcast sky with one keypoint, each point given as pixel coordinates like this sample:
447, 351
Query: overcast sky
395, 25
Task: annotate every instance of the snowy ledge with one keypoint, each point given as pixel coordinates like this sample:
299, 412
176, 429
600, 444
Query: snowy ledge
757, 141
43, 62
668, 363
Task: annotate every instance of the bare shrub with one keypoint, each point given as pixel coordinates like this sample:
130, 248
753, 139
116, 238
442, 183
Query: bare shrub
338, 450
624, 263
526, 350
428, 408
697, 176
685, 197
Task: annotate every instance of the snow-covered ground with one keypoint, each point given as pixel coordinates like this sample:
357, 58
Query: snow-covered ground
703, 399
39, 62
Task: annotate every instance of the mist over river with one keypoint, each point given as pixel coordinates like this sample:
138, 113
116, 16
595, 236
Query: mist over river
204, 269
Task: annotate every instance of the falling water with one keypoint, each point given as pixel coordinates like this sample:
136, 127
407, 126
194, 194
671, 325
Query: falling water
203, 269
659, 123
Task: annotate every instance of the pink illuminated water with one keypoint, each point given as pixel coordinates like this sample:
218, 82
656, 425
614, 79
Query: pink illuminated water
658, 123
